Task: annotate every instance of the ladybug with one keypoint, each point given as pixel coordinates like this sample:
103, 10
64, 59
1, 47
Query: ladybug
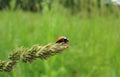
62, 39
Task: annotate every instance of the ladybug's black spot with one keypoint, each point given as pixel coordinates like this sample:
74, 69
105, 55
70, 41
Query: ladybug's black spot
66, 40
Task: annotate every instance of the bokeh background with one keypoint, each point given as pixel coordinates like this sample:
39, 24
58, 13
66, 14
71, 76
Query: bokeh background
92, 26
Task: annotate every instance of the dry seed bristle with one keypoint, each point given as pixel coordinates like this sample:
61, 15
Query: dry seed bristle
28, 55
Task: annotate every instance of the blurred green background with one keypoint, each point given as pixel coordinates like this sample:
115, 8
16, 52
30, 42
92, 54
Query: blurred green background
92, 26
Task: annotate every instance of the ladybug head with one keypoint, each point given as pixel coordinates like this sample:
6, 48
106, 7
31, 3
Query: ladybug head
62, 39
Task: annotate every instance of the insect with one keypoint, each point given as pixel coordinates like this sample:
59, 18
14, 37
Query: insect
62, 39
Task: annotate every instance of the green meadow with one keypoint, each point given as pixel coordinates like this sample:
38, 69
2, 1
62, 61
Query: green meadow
94, 43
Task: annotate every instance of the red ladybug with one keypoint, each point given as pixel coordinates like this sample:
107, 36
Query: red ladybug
62, 39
